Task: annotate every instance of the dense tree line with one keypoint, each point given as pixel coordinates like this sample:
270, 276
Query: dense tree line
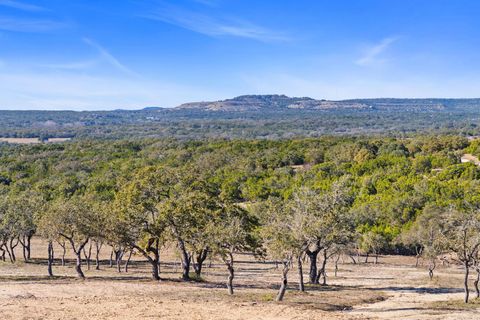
288, 200
267, 123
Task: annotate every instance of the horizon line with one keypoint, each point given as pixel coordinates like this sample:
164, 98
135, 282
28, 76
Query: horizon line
20, 109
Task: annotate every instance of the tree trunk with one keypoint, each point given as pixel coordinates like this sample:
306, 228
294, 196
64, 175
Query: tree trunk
64, 248
301, 285
366, 258
185, 260
155, 272
159, 266
418, 253
25, 242
88, 255
111, 259
3, 253
431, 268
156, 259
323, 273
119, 265
283, 286
24, 248
336, 265
29, 246
118, 259
98, 247
376, 258
64, 252
475, 283
50, 258
352, 258
8, 252
128, 260
78, 265
465, 282
78, 253
154, 262
24, 251
200, 259
312, 255
230, 277
12, 249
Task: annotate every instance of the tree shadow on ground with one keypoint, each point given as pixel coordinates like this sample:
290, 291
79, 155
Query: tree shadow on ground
441, 290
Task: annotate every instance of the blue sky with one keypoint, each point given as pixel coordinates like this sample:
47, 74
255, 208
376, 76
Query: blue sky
85, 55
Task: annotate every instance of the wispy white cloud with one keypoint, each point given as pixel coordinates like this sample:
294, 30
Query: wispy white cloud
102, 57
108, 57
364, 84
21, 5
372, 54
40, 89
213, 26
78, 65
29, 25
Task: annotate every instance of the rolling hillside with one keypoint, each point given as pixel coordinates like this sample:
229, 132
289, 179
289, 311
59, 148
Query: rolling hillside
253, 116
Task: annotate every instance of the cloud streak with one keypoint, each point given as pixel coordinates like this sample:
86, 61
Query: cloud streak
214, 27
21, 5
373, 54
28, 25
78, 91
359, 85
108, 57
79, 65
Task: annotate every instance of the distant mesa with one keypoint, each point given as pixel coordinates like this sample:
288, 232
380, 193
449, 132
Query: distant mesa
270, 102
282, 102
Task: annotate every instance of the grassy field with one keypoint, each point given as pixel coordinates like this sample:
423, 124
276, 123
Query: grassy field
391, 289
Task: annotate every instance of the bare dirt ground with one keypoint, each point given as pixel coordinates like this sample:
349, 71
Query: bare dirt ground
33, 140
20, 140
392, 289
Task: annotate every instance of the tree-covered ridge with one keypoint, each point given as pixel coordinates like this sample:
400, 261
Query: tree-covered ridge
282, 199
262, 102
382, 169
253, 117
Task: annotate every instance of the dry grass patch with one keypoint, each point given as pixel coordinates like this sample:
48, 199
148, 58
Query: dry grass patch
330, 298
458, 305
